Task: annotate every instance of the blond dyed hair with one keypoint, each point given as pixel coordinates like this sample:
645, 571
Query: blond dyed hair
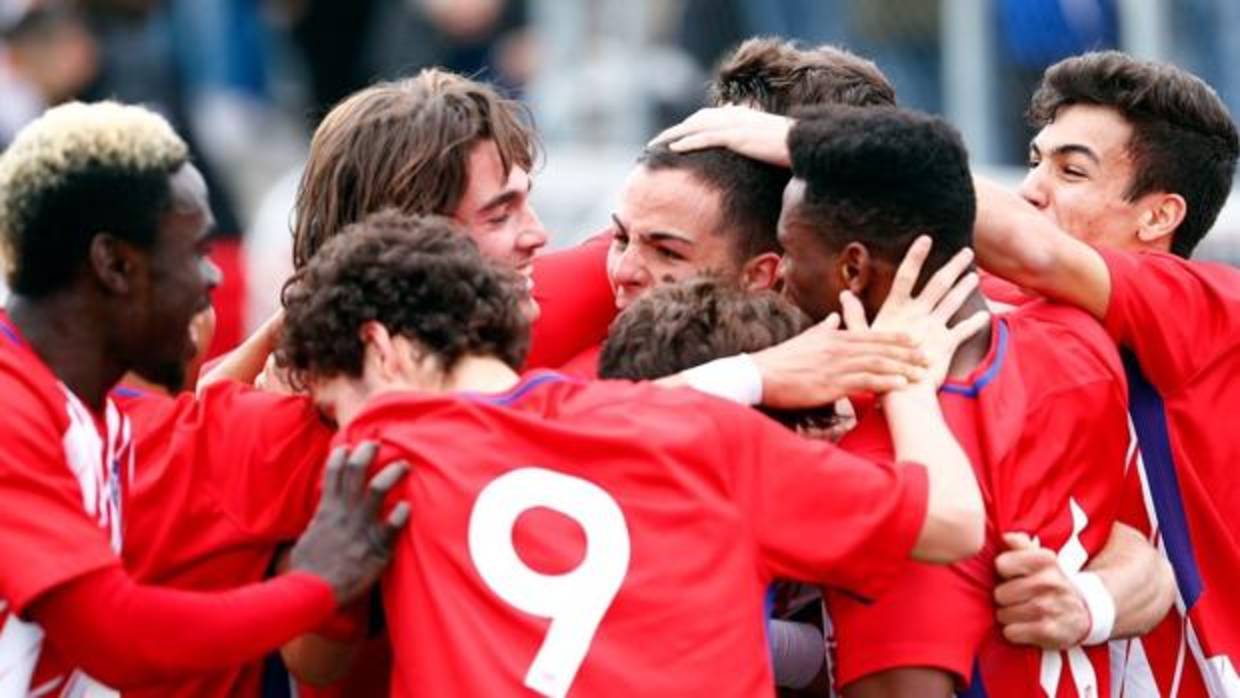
115, 156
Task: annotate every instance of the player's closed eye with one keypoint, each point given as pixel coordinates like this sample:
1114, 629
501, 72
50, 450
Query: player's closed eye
669, 254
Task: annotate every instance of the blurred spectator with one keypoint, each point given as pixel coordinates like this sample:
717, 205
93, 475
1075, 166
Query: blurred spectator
48, 57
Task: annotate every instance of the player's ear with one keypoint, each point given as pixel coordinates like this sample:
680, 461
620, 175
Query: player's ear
379, 351
854, 265
115, 263
1163, 214
760, 273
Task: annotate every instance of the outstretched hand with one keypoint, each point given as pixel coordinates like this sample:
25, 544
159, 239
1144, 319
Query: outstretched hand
925, 317
824, 363
346, 544
749, 132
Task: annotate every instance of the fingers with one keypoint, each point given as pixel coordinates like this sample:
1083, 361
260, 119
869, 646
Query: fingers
334, 469
912, 359
392, 526
880, 365
909, 269
831, 322
1033, 633
955, 298
694, 123
854, 312
1016, 540
871, 383
381, 485
943, 279
353, 475
968, 327
701, 141
1019, 563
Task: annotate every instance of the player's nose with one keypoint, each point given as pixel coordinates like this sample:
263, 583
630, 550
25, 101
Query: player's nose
1033, 188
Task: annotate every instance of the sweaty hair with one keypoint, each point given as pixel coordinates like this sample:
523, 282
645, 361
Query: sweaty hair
882, 176
419, 278
750, 193
402, 145
1183, 139
76, 171
677, 326
777, 76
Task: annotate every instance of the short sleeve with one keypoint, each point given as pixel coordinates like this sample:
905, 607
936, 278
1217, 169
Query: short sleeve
576, 303
1175, 315
818, 513
266, 456
934, 616
46, 536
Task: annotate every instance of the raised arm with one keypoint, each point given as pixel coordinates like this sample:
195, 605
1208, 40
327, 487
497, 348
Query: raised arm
1016, 242
955, 525
129, 635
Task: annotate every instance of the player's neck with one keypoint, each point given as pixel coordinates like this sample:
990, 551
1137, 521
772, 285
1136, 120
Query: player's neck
972, 352
481, 374
62, 332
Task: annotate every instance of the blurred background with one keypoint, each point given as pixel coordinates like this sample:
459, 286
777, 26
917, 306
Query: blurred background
246, 81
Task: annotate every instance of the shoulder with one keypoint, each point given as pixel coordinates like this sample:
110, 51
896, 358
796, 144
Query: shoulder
1061, 345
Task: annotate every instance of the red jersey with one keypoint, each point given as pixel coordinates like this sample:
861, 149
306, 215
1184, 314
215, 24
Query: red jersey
583, 365
615, 539
575, 300
1043, 419
1179, 324
63, 469
223, 479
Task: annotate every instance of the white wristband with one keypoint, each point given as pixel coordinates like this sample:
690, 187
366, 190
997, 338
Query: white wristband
1100, 604
736, 378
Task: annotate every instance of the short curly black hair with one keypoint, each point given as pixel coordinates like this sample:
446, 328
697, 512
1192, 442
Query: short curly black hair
882, 176
420, 278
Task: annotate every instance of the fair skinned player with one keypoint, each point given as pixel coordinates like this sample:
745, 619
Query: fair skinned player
366, 385
1122, 186
1138, 580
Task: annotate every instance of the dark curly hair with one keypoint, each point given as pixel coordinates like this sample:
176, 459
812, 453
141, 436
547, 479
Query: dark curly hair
1183, 139
419, 277
778, 76
883, 176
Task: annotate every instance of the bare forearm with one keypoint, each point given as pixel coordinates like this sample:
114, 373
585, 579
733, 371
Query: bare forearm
955, 515
1014, 240
1138, 578
244, 363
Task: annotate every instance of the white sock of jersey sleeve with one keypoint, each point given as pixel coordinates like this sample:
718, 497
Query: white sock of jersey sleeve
736, 378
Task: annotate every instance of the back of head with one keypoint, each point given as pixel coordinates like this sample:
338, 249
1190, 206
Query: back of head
777, 76
79, 170
883, 176
678, 326
418, 277
402, 145
750, 192
1183, 138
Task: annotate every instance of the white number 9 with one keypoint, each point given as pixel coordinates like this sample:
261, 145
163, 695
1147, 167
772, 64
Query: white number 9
574, 601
